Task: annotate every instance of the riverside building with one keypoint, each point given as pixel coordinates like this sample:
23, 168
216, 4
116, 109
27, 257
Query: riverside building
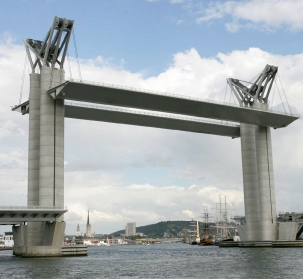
130, 229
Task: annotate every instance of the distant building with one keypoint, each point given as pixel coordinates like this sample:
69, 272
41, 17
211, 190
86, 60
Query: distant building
130, 229
89, 232
78, 232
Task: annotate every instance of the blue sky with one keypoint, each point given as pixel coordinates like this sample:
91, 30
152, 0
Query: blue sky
146, 34
189, 47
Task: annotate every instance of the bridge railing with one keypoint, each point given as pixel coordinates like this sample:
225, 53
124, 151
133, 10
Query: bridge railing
33, 207
290, 213
149, 113
169, 94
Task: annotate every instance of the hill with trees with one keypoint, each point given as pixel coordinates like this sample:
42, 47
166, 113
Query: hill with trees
161, 229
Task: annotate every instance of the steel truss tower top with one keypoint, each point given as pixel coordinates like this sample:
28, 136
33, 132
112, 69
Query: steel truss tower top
258, 91
53, 48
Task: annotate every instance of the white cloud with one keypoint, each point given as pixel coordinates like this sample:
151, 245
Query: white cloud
124, 173
143, 204
180, 21
259, 14
9, 128
188, 213
177, 1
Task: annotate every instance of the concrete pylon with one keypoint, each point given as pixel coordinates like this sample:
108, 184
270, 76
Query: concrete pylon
258, 182
45, 160
257, 163
51, 176
34, 228
34, 141
266, 185
46, 144
250, 181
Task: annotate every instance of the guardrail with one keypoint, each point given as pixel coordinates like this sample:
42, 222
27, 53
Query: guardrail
148, 113
34, 207
288, 213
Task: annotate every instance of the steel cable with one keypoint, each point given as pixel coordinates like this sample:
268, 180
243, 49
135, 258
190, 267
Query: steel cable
76, 51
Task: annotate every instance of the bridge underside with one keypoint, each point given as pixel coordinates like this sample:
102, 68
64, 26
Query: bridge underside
17, 215
145, 119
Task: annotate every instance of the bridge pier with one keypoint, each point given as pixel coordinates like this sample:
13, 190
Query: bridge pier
33, 228
250, 182
45, 167
44, 233
51, 245
258, 182
267, 201
51, 172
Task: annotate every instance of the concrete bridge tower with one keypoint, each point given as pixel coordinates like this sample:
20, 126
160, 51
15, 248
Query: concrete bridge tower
257, 163
46, 140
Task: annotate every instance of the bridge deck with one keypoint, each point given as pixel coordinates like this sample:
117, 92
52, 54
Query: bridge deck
144, 119
115, 96
11, 215
148, 120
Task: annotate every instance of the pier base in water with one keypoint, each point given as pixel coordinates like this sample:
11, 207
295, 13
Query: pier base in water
50, 251
258, 244
48, 244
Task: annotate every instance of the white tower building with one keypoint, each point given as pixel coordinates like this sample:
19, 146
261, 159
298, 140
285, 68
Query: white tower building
78, 232
130, 229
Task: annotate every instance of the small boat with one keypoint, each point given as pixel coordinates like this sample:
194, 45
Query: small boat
206, 242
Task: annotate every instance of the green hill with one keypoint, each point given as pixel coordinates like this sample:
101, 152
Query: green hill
171, 228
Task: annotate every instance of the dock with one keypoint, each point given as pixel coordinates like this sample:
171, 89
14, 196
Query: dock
258, 244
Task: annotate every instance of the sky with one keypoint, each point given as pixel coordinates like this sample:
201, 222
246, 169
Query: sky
123, 173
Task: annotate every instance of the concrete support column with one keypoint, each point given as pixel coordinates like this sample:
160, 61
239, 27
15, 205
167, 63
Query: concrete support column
250, 181
51, 190
33, 228
34, 141
59, 154
267, 200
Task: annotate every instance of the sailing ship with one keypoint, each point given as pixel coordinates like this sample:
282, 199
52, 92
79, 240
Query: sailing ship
207, 237
225, 230
194, 236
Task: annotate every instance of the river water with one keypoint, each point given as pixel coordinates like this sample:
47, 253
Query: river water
160, 261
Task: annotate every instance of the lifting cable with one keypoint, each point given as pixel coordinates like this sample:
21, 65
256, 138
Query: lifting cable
52, 68
22, 83
235, 102
69, 67
76, 51
225, 92
224, 97
254, 78
284, 94
280, 97
273, 94
231, 93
